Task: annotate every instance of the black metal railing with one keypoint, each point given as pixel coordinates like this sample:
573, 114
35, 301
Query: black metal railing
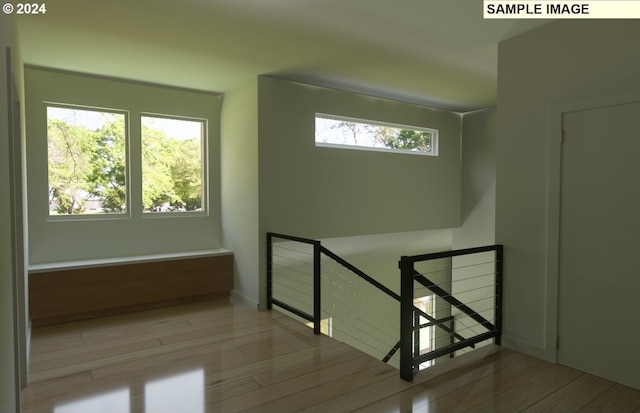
481, 328
315, 315
314, 254
456, 334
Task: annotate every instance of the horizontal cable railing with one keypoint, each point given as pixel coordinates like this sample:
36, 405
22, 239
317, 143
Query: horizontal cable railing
348, 304
339, 299
362, 316
292, 292
466, 285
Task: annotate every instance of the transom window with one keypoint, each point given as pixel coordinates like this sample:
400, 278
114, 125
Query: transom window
350, 133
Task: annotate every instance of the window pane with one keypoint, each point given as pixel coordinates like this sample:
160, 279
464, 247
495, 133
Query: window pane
172, 164
86, 151
351, 133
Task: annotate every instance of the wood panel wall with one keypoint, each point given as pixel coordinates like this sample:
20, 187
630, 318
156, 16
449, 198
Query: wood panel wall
71, 294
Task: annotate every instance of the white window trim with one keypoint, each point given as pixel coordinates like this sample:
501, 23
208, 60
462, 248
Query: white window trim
433, 132
138, 141
205, 169
98, 216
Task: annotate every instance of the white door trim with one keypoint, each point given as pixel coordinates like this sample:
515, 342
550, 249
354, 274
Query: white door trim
556, 113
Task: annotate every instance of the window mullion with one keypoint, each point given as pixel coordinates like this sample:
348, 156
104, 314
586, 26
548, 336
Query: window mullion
135, 165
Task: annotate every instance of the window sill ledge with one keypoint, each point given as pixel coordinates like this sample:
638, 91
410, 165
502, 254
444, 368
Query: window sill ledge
104, 262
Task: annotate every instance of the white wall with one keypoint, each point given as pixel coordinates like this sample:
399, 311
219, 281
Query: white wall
321, 192
318, 193
135, 234
379, 255
9, 401
565, 61
478, 180
239, 187
20, 203
478, 220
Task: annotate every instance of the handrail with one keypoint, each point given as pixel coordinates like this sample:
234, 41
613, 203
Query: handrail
448, 254
315, 318
451, 299
408, 311
432, 321
359, 272
290, 238
390, 293
408, 275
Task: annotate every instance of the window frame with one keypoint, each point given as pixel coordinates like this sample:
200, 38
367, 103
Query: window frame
204, 175
434, 135
127, 150
427, 304
137, 140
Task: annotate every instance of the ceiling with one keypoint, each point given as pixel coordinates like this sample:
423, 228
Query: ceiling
434, 52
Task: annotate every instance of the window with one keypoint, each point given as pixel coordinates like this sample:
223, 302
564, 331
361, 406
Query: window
326, 326
341, 132
87, 161
425, 338
106, 215
172, 164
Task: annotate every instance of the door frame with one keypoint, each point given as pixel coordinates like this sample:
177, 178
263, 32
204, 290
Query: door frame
554, 182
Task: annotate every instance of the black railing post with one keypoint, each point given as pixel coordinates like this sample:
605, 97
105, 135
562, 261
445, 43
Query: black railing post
498, 294
406, 319
416, 334
317, 316
269, 270
452, 339
409, 343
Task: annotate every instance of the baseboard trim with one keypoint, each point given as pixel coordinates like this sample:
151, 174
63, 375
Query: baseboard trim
241, 299
525, 347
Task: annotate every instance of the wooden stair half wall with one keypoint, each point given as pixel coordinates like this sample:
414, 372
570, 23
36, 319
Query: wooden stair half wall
63, 293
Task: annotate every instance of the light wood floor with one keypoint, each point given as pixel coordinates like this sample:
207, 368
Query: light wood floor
219, 357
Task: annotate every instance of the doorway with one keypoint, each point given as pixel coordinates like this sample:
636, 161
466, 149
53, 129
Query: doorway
599, 243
